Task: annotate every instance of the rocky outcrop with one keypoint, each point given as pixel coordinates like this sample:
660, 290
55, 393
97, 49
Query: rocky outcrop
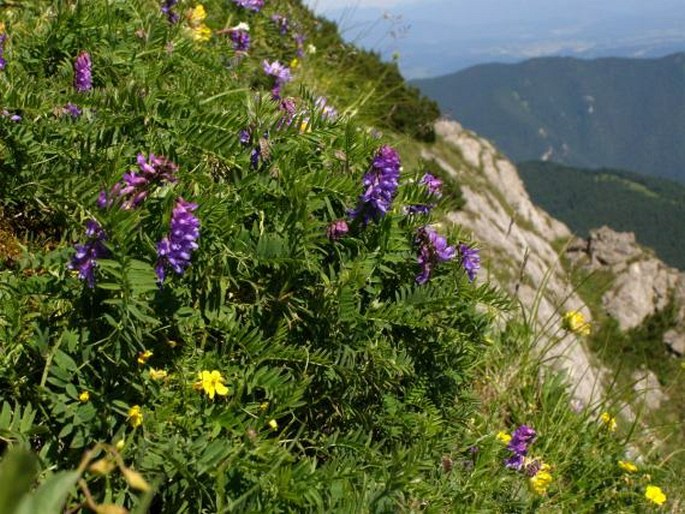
516, 238
642, 285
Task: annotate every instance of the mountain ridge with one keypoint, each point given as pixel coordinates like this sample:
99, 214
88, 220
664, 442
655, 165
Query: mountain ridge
573, 111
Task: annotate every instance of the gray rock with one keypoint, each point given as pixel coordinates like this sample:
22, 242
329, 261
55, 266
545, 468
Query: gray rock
675, 341
648, 388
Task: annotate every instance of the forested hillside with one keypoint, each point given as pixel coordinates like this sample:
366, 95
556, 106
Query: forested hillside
653, 208
616, 113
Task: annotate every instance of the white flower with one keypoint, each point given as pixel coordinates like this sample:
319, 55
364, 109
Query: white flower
311, 49
242, 26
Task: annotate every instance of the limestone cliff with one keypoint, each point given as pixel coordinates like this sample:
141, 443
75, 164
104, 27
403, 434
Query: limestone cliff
516, 240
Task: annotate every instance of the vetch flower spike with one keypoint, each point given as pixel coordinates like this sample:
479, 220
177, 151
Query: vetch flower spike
433, 249
380, 186
83, 75
174, 251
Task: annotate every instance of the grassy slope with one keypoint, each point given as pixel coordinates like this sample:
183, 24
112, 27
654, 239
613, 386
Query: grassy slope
584, 199
367, 441
620, 113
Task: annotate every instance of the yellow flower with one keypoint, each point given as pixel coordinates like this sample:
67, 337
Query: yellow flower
264, 406
158, 374
211, 382
628, 466
197, 15
575, 322
541, 481
2, 27
655, 495
294, 63
273, 424
135, 416
609, 421
201, 33
120, 444
304, 126
143, 357
84, 397
503, 437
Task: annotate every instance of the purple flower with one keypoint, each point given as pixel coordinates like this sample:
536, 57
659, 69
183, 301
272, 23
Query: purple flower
13, 117
523, 437
337, 230
470, 260
433, 249
83, 78
87, 254
433, 184
174, 250
168, 9
280, 73
72, 109
288, 107
328, 112
434, 187
3, 39
380, 185
240, 39
299, 41
252, 5
244, 137
282, 23
136, 184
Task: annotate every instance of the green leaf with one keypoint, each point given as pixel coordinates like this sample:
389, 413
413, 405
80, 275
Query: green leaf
18, 469
50, 495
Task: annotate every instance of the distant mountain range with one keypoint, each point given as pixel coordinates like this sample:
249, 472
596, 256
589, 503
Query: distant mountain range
651, 207
609, 112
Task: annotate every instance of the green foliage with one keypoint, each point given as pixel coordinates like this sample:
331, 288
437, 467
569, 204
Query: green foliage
617, 113
650, 207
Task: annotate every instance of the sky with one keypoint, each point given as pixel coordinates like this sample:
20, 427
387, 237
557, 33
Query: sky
437, 37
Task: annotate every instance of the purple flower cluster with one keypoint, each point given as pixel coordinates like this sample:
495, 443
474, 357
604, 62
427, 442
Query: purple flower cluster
174, 251
380, 185
282, 23
299, 41
135, 185
433, 249
288, 107
328, 112
522, 438
434, 186
83, 77
87, 254
13, 117
3, 39
337, 230
168, 10
470, 260
72, 109
252, 5
280, 73
240, 39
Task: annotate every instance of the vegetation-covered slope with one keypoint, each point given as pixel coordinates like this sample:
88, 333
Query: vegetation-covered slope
585, 199
214, 279
618, 113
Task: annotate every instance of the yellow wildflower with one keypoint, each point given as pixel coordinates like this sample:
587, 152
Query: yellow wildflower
294, 63
542, 480
120, 444
304, 126
135, 416
158, 374
503, 437
202, 33
575, 322
628, 466
2, 27
655, 495
211, 382
273, 424
84, 397
197, 15
264, 406
143, 357
609, 421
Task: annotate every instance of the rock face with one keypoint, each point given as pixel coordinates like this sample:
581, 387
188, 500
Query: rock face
648, 388
643, 285
516, 239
